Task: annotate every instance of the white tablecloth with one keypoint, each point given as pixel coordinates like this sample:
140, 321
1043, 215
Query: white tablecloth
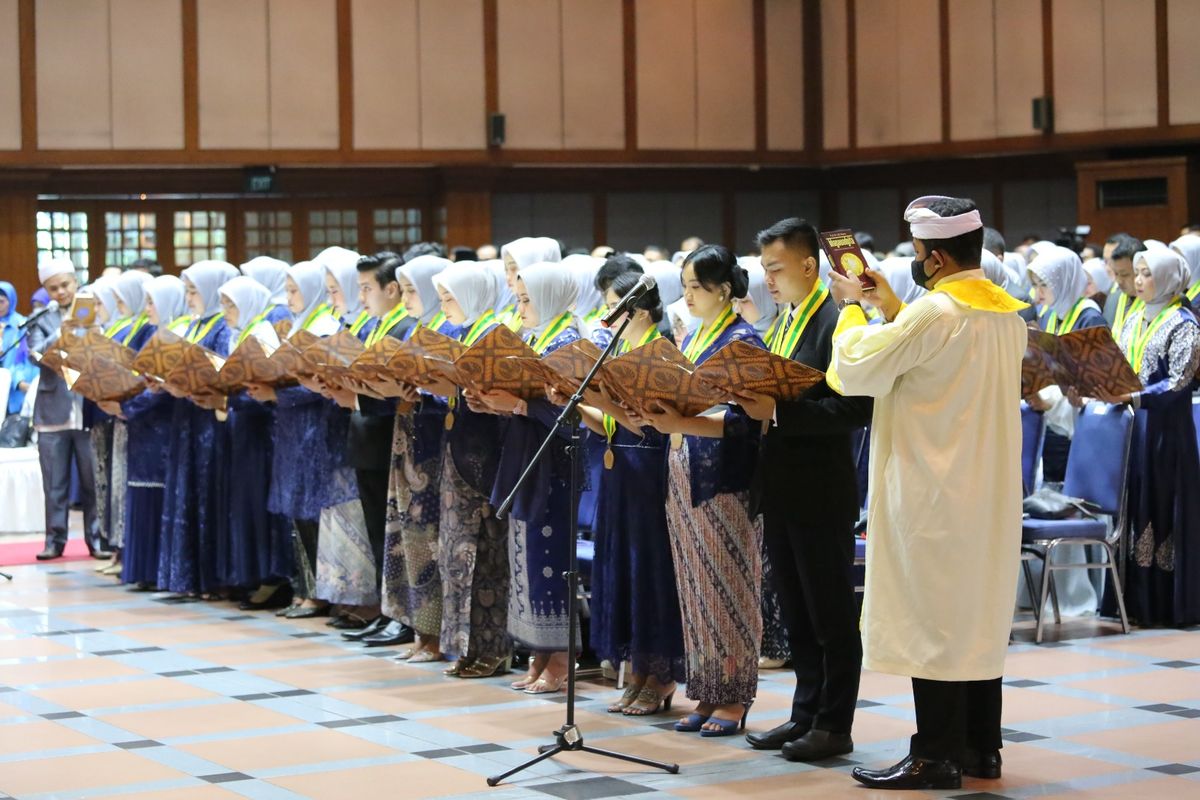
22, 504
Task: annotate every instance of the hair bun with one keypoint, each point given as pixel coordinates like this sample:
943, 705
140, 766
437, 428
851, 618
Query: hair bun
739, 282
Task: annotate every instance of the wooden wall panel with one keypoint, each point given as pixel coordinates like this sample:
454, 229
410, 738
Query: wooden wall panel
919, 73
18, 244
387, 92
972, 69
1183, 54
233, 91
785, 75
1079, 64
73, 88
725, 75
303, 73
10, 77
835, 75
1130, 64
666, 74
877, 78
453, 106
529, 60
1019, 65
593, 74
147, 74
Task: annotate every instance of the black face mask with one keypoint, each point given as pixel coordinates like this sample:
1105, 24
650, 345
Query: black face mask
918, 272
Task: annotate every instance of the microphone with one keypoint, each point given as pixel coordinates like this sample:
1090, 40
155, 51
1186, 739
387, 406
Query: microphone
53, 306
644, 284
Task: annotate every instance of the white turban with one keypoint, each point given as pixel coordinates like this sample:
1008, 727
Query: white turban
54, 266
926, 224
473, 286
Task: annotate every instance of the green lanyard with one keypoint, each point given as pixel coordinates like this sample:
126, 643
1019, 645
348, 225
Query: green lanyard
1068, 322
1124, 309
253, 324
179, 325
357, 326
116, 326
1194, 291
648, 337
390, 320
478, 328
437, 322
317, 313
138, 324
594, 315
703, 340
1137, 350
510, 318
197, 335
560, 324
783, 343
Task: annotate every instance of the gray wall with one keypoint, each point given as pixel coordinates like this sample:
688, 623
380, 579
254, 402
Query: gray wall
561, 215
636, 219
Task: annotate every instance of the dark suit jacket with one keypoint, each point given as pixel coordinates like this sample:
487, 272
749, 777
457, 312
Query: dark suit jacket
807, 469
369, 440
54, 400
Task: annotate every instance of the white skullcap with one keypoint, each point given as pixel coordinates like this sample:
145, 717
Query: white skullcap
926, 224
55, 266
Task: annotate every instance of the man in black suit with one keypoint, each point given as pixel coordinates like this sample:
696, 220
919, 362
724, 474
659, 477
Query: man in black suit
809, 492
58, 419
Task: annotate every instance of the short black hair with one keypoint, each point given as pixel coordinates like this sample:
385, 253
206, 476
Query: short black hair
1126, 246
865, 240
967, 248
794, 233
424, 249
462, 254
714, 265
383, 268
147, 265
993, 241
613, 267
650, 301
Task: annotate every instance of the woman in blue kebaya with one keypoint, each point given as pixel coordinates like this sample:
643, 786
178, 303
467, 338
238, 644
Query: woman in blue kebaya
21, 370
301, 463
718, 561
539, 523
195, 510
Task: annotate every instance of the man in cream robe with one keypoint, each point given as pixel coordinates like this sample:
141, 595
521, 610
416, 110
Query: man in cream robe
944, 520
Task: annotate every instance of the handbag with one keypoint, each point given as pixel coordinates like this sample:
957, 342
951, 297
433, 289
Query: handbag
1047, 503
15, 431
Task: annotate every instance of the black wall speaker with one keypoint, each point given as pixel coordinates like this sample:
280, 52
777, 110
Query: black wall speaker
1043, 114
495, 130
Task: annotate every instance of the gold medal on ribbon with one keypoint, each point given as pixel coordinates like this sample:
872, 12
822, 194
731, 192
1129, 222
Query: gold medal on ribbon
676, 441
449, 420
609, 458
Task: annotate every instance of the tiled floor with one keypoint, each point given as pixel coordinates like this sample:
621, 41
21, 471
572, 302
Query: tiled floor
110, 693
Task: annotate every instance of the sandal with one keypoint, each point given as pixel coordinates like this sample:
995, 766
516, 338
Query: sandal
544, 685
726, 727
486, 667
631, 693
425, 657
692, 722
456, 668
537, 663
649, 701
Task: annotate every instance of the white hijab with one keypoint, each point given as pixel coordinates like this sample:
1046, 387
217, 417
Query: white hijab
531, 250
993, 269
130, 286
419, 272
208, 277
1062, 271
102, 290
552, 291
473, 287
251, 299
584, 268
504, 295
1098, 273
310, 279
1018, 275
345, 273
1188, 246
271, 273
667, 277
1170, 274
759, 292
169, 296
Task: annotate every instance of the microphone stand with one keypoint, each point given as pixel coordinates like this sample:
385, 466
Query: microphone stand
569, 737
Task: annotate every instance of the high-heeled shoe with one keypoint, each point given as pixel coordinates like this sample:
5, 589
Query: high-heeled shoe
486, 667
424, 656
536, 665
456, 668
726, 727
650, 701
631, 694
544, 685
692, 722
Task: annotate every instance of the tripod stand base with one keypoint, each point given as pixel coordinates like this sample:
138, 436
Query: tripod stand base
568, 738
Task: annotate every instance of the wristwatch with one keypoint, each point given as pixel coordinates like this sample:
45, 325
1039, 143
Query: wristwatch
842, 305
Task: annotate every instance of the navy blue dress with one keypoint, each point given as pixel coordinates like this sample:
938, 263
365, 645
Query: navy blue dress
538, 524
195, 504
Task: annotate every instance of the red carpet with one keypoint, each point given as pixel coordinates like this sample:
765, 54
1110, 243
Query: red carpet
15, 554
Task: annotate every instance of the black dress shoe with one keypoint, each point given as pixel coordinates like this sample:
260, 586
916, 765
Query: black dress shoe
280, 598
374, 626
912, 773
985, 764
50, 553
818, 745
394, 633
777, 737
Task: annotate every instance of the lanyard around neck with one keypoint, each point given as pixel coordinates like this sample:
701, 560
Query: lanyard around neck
1068, 322
359, 322
179, 325
560, 324
138, 324
197, 333
648, 337
481, 325
112, 329
389, 321
1137, 352
317, 313
703, 339
253, 324
439, 319
783, 342
1124, 309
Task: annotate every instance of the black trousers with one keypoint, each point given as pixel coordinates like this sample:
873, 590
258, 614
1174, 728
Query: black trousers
373, 493
954, 716
55, 450
811, 570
